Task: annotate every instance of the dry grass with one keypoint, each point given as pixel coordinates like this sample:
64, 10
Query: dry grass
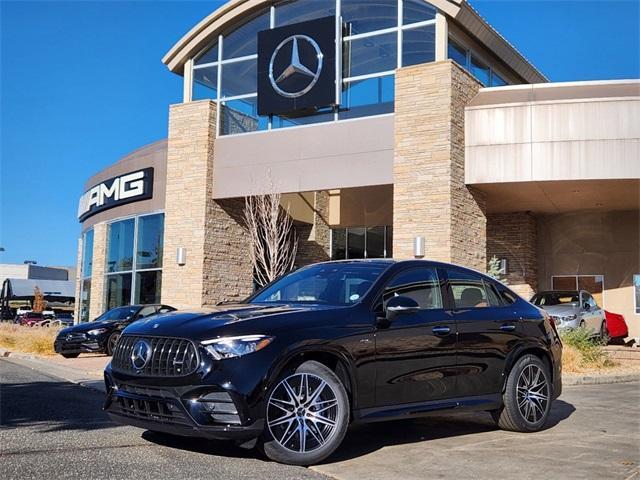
581, 353
27, 339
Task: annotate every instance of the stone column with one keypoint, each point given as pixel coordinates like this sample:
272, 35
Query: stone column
96, 302
513, 236
314, 241
217, 263
76, 306
430, 198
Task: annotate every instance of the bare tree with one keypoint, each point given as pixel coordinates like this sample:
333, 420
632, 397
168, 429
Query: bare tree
273, 239
38, 300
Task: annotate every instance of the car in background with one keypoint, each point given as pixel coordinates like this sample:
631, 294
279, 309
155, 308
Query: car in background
31, 319
572, 309
616, 325
101, 335
48, 314
20, 312
62, 320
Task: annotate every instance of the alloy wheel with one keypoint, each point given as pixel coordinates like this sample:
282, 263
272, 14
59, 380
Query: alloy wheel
532, 393
302, 412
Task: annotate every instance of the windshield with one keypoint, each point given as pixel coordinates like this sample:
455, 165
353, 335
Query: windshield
120, 313
555, 298
325, 283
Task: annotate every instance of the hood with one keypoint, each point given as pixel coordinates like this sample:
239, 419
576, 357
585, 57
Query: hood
561, 310
85, 327
235, 319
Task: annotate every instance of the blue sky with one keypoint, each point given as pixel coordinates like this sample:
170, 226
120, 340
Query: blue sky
82, 84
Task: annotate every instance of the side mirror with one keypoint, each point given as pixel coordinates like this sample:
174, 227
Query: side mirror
399, 306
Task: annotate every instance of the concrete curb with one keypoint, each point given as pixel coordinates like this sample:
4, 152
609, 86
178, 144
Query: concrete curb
568, 380
69, 374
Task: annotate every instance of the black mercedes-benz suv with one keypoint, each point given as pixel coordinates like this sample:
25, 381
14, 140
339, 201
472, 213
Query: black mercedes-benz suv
352, 341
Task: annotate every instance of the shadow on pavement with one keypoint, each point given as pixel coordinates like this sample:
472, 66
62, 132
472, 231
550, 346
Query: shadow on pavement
201, 445
368, 438
51, 406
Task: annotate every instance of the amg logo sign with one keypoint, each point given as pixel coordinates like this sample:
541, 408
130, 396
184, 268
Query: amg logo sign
131, 187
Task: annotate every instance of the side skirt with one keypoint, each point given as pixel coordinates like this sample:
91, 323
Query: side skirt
408, 410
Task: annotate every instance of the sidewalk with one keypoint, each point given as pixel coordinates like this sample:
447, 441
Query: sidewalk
85, 370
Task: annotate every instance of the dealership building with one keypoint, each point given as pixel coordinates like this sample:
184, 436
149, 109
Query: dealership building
389, 127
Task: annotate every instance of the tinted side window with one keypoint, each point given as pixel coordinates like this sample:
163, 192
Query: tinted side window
420, 284
492, 294
467, 290
146, 311
506, 296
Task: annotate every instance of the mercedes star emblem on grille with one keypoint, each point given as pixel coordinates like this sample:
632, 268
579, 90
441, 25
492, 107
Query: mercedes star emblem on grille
295, 66
140, 354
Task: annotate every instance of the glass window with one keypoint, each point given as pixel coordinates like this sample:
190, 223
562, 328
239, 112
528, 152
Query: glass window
419, 45
338, 244
420, 284
375, 242
121, 313
324, 283
492, 294
355, 242
506, 295
239, 78
497, 80
87, 254
417, 11
244, 40
150, 238
467, 290
636, 292
118, 290
205, 81
370, 55
240, 116
480, 71
85, 299
373, 96
389, 240
457, 53
301, 11
363, 16
209, 55
283, 121
148, 287
120, 246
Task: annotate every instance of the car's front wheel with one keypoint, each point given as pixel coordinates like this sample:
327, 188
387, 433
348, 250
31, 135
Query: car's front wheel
527, 396
112, 341
307, 415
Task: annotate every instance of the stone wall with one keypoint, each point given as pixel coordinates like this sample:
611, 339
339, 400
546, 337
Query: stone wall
217, 265
429, 196
314, 241
96, 302
513, 236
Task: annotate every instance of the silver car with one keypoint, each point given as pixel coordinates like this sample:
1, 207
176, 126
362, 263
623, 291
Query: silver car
571, 309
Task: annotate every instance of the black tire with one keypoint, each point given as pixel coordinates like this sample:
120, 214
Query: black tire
322, 440
604, 333
70, 355
521, 412
111, 343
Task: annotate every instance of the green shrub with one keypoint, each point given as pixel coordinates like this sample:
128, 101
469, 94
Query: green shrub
590, 348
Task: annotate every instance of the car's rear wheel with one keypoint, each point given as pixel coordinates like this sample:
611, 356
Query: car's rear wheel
527, 396
112, 342
70, 355
307, 415
604, 333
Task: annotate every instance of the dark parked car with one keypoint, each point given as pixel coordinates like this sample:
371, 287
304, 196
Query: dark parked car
103, 333
333, 343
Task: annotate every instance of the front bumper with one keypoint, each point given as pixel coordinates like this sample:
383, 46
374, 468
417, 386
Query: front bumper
77, 346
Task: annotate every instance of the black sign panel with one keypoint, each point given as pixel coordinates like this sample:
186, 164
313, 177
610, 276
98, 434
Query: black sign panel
116, 191
296, 67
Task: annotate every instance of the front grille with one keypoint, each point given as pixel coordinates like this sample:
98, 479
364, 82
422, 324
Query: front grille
170, 357
73, 337
149, 409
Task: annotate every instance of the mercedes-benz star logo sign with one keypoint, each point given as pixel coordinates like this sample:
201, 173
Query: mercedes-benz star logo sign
295, 66
141, 354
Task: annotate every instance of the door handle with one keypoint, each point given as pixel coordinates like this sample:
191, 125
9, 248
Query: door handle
509, 327
441, 330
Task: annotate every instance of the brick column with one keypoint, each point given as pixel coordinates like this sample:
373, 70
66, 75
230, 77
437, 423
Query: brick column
96, 302
513, 236
76, 305
217, 267
430, 198
314, 241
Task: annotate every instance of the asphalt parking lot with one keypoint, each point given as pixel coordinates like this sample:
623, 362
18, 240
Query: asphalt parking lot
54, 429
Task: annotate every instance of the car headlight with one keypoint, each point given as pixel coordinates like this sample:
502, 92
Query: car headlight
569, 318
97, 331
230, 347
